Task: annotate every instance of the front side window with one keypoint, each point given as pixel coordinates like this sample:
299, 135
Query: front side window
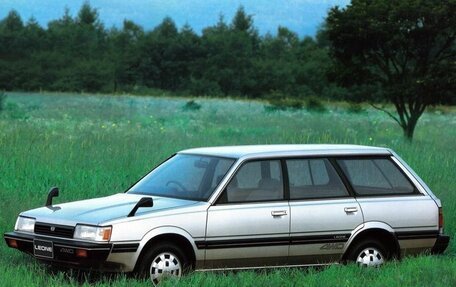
192, 177
314, 178
255, 181
375, 177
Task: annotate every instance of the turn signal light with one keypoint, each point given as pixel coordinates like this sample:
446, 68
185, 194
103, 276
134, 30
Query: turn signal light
12, 243
81, 253
107, 234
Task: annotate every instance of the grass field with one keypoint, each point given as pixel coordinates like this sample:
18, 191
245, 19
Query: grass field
98, 145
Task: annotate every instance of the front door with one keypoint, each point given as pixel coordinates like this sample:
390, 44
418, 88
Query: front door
250, 223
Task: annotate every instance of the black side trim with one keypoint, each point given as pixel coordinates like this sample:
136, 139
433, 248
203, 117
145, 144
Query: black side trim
123, 248
274, 241
286, 180
237, 243
342, 177
319, 239
417, 234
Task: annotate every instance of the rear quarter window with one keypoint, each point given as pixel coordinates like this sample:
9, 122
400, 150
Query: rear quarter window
376, 176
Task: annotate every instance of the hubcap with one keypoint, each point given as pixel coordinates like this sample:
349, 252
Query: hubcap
370, 257
165, 264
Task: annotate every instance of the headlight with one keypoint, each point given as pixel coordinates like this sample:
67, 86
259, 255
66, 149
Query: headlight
94, 233
26, 224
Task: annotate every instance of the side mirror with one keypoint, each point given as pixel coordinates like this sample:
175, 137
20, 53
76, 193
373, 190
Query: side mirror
143, 202
53, 192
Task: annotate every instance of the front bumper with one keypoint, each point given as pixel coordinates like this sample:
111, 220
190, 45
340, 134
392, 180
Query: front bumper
66, 253
440, 244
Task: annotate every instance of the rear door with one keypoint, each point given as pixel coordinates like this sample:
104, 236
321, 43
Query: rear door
323, 213
250, 223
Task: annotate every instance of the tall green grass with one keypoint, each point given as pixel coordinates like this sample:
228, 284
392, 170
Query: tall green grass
92, 146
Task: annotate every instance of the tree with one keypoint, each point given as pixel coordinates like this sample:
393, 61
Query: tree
276, 66
242, 22
158, 52
87, 15
77, 57
12, 50
124, 54
229, 54
406, 48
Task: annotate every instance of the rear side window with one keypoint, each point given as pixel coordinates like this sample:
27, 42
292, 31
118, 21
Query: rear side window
314, 178
376, 177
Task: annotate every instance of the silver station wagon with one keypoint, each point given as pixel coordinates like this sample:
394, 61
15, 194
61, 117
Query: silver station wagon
244, 207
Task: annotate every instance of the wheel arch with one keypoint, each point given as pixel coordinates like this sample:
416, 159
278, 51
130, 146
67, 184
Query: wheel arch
169, 234
378, 230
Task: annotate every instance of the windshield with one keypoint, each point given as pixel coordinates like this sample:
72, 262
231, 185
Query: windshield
192, 177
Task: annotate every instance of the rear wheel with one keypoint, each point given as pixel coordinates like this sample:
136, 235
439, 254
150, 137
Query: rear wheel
162, 261
369, 253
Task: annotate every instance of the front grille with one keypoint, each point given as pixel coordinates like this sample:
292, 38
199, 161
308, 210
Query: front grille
54, 230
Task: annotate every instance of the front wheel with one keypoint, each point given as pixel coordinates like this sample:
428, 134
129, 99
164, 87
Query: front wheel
162, 261
369, 253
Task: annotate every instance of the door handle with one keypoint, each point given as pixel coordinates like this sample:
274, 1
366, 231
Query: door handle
350, 209
279, 213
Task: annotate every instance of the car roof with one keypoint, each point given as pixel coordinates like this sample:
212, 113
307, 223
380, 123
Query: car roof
287, 150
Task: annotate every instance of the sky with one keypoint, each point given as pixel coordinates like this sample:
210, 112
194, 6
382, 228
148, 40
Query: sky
300, 16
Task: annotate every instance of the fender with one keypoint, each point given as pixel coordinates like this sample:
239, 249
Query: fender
366, 226
166, 230
129, 261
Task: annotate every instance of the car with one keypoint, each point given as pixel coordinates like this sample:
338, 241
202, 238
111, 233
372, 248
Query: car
237, 207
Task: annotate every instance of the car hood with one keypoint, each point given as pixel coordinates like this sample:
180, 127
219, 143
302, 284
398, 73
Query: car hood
98, 210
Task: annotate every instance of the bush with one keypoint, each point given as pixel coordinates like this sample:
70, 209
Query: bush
191, 106
16, 112
314, 104
279, 101
355, 108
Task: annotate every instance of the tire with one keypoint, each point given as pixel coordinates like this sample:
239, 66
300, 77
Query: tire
369, 253
163, 260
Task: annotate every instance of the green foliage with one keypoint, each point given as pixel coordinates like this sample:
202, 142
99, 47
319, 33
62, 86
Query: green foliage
407, 48
92, 146
191, 106
16, 112
2, 101
13, 22
87, 15
203, 87
228, 59
355, 108
402, 52
279, 101
314, 104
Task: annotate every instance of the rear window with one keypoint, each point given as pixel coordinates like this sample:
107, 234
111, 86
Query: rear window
378, 176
